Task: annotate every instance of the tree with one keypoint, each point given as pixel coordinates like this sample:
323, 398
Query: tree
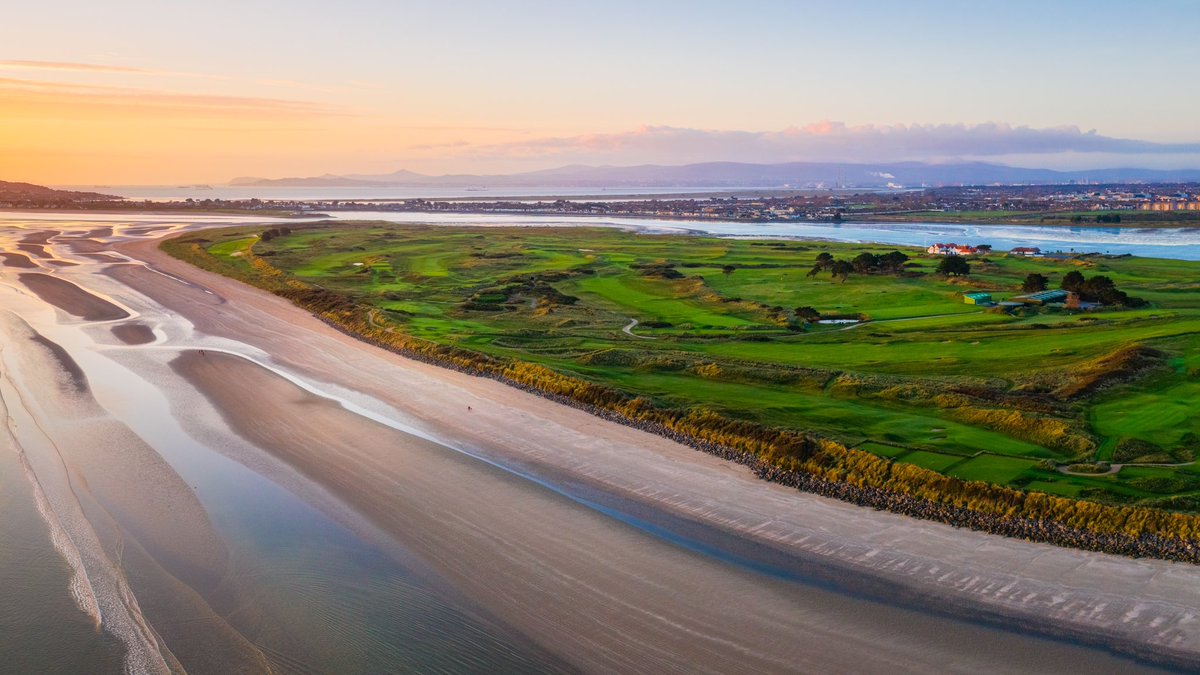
1072, 281
865, 262
954, 265
807, 314
842, 269
984, 248
893, 262
813, 272
1034, 283
728, 269
824, 259
1101, 289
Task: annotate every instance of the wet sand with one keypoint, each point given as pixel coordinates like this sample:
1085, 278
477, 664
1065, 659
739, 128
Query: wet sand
133, 333
36, 249
599, 593
103, 257
118, 511
12, 259
74, 374
1141, 606
71, 298
139, 276
41, 629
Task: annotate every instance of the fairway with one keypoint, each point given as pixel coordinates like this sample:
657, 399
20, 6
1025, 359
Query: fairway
977, 392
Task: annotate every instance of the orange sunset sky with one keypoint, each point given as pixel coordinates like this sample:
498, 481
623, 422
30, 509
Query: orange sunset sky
151, 92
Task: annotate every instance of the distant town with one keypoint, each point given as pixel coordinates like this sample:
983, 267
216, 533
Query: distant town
1165, 204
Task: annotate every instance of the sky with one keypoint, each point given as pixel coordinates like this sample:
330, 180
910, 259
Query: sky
152, 92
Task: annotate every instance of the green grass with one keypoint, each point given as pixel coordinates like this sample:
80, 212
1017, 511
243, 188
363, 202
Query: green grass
232, 248
653, 300
889, 451
728, 340
932, 460
992, 469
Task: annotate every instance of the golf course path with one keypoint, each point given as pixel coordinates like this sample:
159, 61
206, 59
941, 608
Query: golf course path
628, 330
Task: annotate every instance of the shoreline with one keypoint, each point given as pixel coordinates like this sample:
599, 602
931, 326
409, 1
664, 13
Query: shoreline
953, 568
358, 439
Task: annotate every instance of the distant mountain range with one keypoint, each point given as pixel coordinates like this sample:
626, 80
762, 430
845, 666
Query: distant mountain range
740, 175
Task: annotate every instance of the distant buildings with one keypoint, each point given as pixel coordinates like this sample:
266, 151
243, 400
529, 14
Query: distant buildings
1170, 205
1026, 251
978, 298
951, 249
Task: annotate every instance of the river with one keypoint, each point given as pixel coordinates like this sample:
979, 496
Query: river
1177, 243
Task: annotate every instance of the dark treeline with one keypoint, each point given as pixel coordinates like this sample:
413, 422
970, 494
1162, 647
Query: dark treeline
1098, 288
793, 458
863, 263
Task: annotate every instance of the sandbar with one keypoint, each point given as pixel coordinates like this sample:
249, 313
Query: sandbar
71, 298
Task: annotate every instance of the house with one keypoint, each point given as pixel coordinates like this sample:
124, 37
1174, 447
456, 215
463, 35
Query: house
978, 298
1027, 251
951, 249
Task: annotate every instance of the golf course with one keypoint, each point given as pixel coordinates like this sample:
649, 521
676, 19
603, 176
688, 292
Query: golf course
1096, 404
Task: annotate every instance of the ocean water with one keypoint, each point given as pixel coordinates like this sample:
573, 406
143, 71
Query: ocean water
41, 628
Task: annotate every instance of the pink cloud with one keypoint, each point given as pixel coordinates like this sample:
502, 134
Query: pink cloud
823, 141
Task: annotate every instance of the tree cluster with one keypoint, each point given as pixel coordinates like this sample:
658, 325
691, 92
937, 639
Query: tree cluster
863, 263
275, 232
954, 266
1102, 218
1099, 289
1034, 283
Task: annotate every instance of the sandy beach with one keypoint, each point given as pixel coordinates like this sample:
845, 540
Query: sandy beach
173, 446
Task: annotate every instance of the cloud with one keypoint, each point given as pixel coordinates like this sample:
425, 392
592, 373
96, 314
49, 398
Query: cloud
823, 141
67, 66
37, 98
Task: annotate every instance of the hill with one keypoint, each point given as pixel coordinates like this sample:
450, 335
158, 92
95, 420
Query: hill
13, 194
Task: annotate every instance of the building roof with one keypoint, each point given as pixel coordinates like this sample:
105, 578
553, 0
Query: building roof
977, 294
1047, 296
